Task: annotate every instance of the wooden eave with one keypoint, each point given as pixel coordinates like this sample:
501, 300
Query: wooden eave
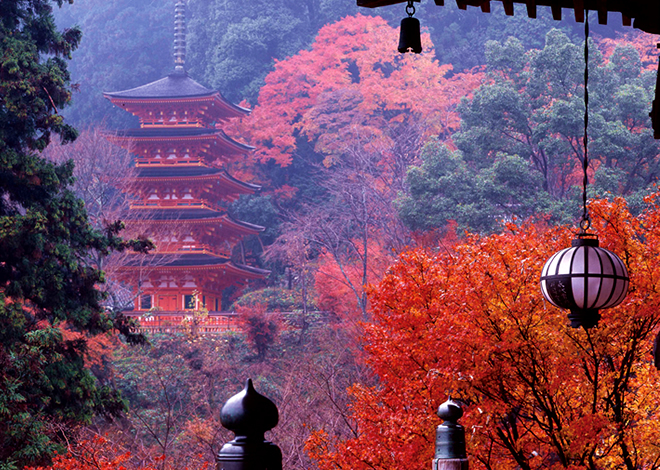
643, 14
227, 180
214, 104
216, 136
224, 220
225, 268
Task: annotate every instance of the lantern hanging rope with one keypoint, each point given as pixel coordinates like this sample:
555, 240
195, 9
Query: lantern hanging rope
585, 223
584, 278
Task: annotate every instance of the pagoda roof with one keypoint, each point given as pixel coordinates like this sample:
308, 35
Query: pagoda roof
176, 171
187, 261
174, 86
187, 215
183, 133
183, 214
173, 172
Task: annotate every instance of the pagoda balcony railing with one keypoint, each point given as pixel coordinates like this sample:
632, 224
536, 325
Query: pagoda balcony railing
171, 124
175, 248
181, 321
152, 203
147, 161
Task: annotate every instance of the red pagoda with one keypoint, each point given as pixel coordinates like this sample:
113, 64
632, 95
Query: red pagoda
181, 189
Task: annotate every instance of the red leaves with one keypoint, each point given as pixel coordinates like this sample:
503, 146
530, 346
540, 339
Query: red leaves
260, 327
349, 87
645, 44
472, 322
96, 454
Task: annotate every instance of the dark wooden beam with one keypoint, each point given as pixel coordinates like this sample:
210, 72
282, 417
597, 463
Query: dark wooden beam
531, 8
655, 109
556, 11
643, 14
602, 11
578, 7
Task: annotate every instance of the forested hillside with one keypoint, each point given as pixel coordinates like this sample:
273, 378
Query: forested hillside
233, 47
408, 201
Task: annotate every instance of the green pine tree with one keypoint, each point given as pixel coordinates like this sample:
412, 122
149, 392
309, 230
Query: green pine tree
45, 239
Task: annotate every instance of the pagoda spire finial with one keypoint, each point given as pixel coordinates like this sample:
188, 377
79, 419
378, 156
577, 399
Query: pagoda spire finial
180, 37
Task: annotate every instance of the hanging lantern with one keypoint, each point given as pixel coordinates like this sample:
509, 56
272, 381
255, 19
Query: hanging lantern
410, 38
584, 279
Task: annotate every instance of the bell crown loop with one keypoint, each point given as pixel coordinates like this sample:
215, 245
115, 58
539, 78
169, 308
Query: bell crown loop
410, 8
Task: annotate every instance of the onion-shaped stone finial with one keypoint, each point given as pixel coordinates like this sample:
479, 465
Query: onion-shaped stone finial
248, 413
450, 437
450, 411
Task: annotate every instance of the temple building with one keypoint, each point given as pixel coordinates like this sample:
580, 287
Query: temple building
181, 190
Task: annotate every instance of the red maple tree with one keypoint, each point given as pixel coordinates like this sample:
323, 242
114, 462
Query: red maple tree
349, 87
471, 322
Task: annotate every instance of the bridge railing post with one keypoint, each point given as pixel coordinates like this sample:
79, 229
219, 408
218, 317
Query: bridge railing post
249, 415
450, 451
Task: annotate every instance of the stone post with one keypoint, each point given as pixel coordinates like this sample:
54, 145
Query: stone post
450, 439
249, 415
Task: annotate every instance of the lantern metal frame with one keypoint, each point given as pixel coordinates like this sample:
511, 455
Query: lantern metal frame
584, 279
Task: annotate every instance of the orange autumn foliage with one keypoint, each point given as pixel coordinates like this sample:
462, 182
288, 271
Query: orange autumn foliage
98, 348
340, 284
260, 327
349, 87
98, 453
472, 323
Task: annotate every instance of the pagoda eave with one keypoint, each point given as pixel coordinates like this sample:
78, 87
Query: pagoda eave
193, 180
215, 109
219, 177
224, 187
176, 88
200, 216
182, 134
225, 268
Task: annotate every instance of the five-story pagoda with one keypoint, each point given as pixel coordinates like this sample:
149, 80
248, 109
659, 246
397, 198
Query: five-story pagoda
181, 187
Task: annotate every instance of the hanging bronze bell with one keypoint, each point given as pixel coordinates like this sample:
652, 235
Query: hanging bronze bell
410, 38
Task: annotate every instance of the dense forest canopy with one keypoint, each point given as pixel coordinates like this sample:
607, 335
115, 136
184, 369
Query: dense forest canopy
233, 46
409, 202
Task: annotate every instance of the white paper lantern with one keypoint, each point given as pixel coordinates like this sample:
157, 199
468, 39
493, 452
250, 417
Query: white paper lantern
584, 279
